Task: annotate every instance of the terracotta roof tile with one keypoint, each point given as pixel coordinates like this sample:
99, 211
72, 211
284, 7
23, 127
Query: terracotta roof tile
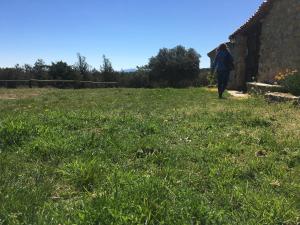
258, 15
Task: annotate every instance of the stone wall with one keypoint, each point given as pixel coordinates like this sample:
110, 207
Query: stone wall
231, 82
238, 81
280, 40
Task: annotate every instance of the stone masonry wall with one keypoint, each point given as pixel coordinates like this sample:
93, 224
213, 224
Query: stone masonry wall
280, 40
238, 82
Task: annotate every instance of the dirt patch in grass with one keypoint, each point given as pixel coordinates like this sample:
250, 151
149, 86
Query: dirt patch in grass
7, 97
18, 94
238, 95
212, 89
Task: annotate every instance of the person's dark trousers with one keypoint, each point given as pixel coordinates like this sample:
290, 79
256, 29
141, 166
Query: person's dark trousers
223, 78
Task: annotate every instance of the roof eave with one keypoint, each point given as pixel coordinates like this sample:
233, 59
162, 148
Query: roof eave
257, 17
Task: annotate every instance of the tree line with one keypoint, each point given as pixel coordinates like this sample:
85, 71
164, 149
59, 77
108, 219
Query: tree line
60, 70
176, 67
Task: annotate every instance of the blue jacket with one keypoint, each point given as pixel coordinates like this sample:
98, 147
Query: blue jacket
221, 61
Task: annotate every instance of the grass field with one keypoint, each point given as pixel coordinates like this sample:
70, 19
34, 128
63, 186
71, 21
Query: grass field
165, 156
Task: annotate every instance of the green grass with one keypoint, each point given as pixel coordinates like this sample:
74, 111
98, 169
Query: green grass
161, 156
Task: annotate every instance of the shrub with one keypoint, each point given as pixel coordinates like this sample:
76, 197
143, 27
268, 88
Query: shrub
140, 79
212, 79
62, 71
203, 79
290, 80
174, 66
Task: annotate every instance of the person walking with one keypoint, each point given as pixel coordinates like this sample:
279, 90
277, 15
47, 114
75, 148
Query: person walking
222, 66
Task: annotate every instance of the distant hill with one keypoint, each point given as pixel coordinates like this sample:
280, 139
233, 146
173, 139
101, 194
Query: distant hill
129, 70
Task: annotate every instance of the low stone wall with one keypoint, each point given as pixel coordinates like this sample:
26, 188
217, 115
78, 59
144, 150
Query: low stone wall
261, 88
280, 40
55, 83
282, 97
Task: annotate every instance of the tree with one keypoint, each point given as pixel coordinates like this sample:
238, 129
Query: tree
27, 68
39, 70
18, 68
96, 75
107, 70
175, 65
62, 71
140, 78
82, 67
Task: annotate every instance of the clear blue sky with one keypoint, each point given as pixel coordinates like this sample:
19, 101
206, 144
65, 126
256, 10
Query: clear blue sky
128, 32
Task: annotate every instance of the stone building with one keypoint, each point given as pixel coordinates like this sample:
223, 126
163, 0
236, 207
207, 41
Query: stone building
269, 42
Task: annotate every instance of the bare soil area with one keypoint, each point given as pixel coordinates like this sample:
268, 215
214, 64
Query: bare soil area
14, 94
